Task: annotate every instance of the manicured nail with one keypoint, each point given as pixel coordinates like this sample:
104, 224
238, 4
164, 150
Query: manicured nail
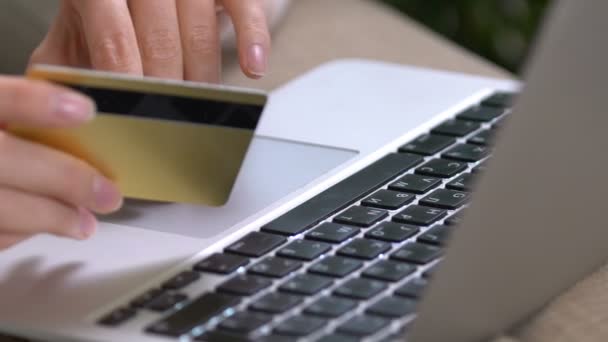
256, 60
74, 107
88, 224
107, 196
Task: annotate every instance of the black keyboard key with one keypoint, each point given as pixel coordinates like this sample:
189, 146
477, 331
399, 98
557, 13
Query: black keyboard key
483, 138
245, 285
501, 100
275, 267
336, 266
117, 317
306, 284
146, 298
299, 326
416, 184
454, 220
413, 288
181, 280
446, 199
338, 338
388, 270
363, 325
481, 114
463, 182
197, 313
467, 153
437, 235
224, 336
420, 215
332, 232
166, 301
342, 194
456, 128
417, 253
256, 244
392, 232
364, 248
304, 249
245, 322
393, 307
428, 144
331, 307
276, 303
361, 216
360, 288
221, 263
442, 168
387, 199
482, 167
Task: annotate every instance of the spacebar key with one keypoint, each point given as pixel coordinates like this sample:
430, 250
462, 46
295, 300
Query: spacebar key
342, 194
193, 315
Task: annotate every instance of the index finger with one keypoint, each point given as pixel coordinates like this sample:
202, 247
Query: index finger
110, 35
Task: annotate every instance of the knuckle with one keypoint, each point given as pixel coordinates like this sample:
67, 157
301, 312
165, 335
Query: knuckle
76, 183
5, 142
160, 44
112, 53
202, 39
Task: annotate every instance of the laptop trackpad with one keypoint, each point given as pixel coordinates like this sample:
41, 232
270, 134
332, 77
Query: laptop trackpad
273, 169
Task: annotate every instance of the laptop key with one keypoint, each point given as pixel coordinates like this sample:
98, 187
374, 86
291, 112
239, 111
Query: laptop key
481, 113
336, 266
221, 263
363, 325
331, 307
299, 326
454, 220
483, 138
442, 168
360, 288
392, 232
194, 314
146, 298
467, 153
417, 253
332, 232
306, 284
117, 317
446, 199
415, 183
256, 244
420, 215
388, 270
244, 285
463, 182
276, 303
387, 199
223, 336
413, 288
456, 128
338, 338
437, 235
362, 248
361, 216
181, 280
166, 301
275, 267
245, 322
304, 250
428, 144
393, 307
342, 194
501, 99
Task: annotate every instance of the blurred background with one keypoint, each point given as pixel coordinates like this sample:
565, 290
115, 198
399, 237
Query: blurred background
499, 30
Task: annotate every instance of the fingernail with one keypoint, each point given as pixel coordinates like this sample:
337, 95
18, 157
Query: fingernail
256, 60
88, 224
107, 196
74, 107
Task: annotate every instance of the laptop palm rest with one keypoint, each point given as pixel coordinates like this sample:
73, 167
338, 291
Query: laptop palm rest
272, 170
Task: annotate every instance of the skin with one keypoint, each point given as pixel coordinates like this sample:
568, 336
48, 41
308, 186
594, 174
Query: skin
177, 39
44, 191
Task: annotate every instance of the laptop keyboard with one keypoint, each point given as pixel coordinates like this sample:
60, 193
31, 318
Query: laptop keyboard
350, 264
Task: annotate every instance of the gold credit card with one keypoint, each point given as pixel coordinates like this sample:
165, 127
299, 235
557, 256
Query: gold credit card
159, 140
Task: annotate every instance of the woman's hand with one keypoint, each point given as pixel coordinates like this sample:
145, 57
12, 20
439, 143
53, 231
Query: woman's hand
43, 190
176, 39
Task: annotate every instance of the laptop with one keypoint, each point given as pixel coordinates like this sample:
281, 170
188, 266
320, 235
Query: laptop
351, 219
